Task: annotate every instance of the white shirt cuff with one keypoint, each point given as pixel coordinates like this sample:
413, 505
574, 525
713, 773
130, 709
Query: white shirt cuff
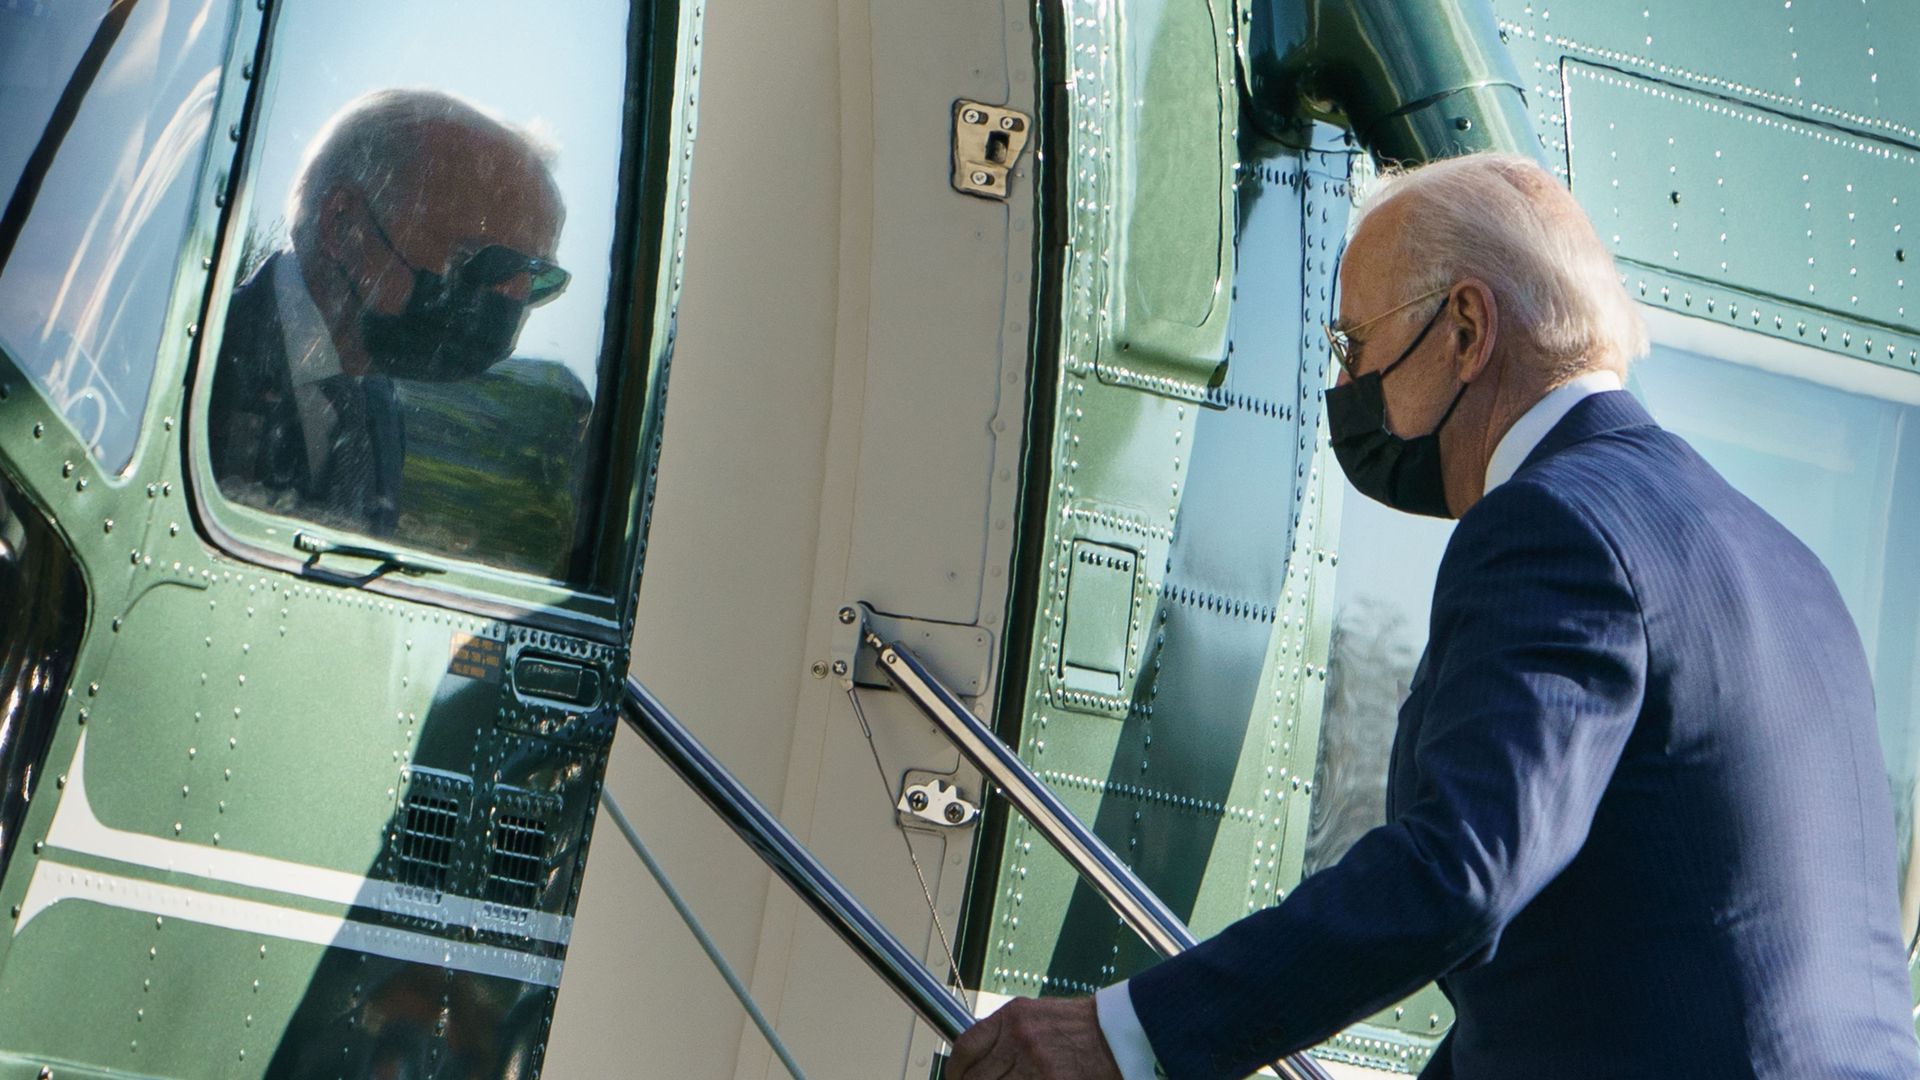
1125, 1037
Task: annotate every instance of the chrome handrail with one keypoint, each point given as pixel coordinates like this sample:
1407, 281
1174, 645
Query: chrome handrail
897, 965
1137, 905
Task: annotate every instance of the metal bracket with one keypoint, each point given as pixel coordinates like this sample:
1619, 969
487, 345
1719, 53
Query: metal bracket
932, 798
987, 141
962, 654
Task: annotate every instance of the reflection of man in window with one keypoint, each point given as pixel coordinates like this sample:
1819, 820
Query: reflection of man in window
421, 232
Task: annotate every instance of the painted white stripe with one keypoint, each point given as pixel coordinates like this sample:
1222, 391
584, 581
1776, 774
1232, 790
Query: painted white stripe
53, 882
76, 828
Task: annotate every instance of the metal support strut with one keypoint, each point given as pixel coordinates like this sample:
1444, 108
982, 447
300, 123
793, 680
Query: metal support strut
755, 824
1138, 906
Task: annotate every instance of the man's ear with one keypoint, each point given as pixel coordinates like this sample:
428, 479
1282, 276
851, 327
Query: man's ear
1475, 327
340, 232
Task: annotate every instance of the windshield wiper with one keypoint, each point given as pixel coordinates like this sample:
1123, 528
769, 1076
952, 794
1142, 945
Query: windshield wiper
384, 560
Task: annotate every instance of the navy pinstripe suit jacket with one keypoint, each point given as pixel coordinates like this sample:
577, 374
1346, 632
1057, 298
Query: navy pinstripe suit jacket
1638, 821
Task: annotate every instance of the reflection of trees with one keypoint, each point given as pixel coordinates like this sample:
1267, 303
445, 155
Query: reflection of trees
1370, 668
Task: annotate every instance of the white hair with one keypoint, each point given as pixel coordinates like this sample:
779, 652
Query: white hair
376, 137
1503, 219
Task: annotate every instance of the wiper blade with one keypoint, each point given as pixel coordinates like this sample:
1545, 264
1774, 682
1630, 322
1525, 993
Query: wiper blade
384, 560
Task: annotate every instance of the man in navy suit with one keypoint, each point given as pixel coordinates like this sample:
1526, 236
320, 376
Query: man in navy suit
1638, 822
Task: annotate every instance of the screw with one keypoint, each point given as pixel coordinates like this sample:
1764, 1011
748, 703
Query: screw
839, 667
819, 669
1008, 123
917, 800
973, 116
847, 615
980, 177
955, 812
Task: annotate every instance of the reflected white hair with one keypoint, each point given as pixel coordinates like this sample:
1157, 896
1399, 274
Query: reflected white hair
1503, 219
376, 137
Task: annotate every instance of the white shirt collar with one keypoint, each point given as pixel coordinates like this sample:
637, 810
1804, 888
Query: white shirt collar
310, 353
1533, 425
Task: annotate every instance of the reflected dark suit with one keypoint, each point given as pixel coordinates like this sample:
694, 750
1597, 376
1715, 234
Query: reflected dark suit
258, 427
1638, 821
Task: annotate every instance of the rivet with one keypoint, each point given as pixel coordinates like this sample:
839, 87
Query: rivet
39, 430
80, 484
66, 469
107, 525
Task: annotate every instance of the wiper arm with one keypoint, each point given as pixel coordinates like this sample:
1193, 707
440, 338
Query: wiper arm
384, 560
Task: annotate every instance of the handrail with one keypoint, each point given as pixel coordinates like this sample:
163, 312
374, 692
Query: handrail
789, 858
1136, 904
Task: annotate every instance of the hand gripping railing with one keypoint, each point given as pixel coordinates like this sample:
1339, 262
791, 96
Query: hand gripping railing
1143, 911
755, 824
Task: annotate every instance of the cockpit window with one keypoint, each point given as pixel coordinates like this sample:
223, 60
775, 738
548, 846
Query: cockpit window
104, 113
412, 347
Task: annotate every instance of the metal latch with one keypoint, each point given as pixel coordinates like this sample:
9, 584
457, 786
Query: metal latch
935, 800
987, 141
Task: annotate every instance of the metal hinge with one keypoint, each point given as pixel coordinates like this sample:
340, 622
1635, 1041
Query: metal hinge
987, 141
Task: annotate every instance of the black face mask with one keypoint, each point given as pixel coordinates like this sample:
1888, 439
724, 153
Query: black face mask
455, 325
448, 331
1401, 473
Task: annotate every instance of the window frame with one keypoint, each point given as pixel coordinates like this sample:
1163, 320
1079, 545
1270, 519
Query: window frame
647, 237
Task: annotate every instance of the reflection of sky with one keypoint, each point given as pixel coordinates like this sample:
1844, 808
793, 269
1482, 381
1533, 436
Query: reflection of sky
1389, 557
1836, 469
561, 77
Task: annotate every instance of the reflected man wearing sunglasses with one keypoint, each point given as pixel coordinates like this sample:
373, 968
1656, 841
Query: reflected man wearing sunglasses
422, 231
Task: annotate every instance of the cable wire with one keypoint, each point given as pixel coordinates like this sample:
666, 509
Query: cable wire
700, 934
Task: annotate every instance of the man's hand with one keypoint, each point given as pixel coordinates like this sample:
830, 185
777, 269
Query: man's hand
1035, 1039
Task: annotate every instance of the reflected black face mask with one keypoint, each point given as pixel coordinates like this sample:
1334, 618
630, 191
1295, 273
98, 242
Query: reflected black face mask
1401, 473
448, 330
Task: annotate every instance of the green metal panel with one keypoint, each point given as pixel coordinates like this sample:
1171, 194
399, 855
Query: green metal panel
1178, 654
1764, 177
1168, 113
291, 827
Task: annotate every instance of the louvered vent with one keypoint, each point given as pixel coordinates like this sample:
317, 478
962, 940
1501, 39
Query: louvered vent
517, 870
424, 842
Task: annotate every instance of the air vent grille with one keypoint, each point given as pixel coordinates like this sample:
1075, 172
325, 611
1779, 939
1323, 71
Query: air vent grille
517, 870
424, 843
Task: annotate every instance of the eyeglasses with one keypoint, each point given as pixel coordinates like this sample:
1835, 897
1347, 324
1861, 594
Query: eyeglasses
497, 264
1340, 340
494, 265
